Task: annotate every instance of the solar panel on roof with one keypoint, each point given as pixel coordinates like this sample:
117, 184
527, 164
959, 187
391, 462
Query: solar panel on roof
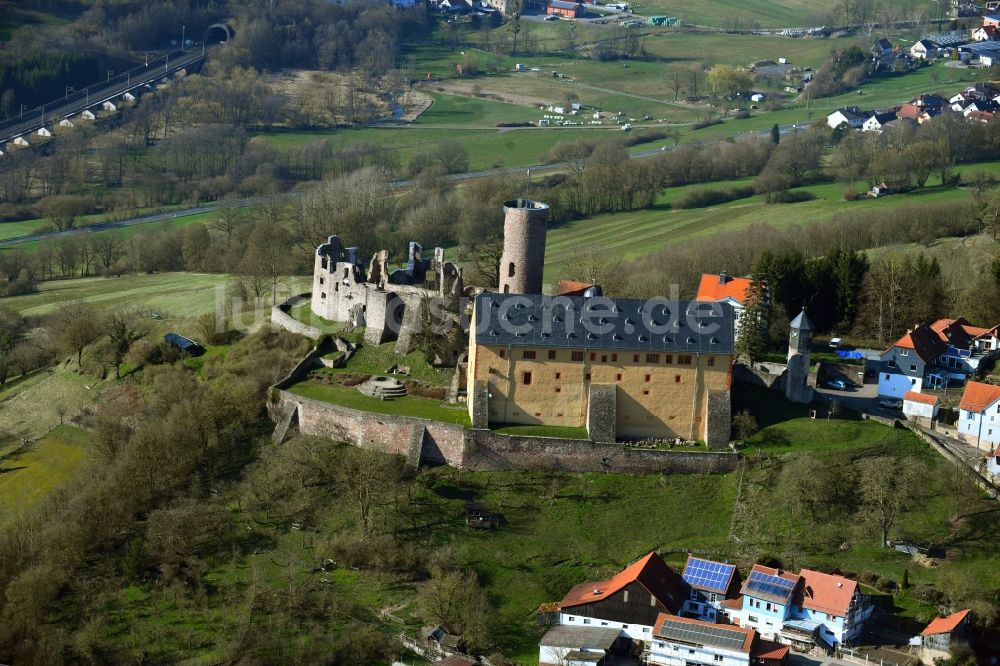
700, 634
770, 585
707, 574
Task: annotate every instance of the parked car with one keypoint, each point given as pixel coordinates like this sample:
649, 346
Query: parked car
551, 17
835, 343
891, 403
836, 384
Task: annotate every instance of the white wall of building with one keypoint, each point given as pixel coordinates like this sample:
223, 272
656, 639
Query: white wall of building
638, 632
895, 385
976, 427
919, 410
666, 653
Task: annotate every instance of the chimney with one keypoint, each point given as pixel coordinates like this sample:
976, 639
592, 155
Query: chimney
723, 278
597, 590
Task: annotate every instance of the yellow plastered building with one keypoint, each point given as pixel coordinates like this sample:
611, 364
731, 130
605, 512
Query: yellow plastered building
626, 369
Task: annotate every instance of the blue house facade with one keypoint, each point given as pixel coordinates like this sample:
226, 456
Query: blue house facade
709, 583
804, 610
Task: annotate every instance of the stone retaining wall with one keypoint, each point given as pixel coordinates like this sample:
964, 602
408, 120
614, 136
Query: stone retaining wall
430, 442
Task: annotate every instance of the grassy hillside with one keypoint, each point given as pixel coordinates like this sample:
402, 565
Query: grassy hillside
640, 232
767, 13
30, 472
557, 530
170, 295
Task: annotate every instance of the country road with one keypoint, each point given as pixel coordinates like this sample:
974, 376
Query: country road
250, 201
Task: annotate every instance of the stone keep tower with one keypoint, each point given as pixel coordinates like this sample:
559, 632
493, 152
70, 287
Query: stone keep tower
524, 229
797, 388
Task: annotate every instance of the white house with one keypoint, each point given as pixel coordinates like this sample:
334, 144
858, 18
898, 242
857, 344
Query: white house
21, 141
803, 610
88, 114
109, 106
989, 57
985, 34
66, 122
577, 646
722, 288
979, 415
44, 131
922, 49
920, 408
680, 641
835, 603
852, 117
877, 121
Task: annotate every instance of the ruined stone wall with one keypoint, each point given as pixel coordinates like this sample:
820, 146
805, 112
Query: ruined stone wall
718, 419
281, 318
602, 415
484, 450
765, 375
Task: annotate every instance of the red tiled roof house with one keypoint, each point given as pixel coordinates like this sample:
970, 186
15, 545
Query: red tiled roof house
722, 288
631, 600
979, 415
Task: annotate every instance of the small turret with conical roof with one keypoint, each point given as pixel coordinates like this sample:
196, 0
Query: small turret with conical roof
799, 344
800, 337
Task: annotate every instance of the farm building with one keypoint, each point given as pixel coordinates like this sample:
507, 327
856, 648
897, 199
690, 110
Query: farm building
629, 602
185, 345
565, 9
937, 639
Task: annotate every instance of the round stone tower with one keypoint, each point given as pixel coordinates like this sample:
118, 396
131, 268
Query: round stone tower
523, 246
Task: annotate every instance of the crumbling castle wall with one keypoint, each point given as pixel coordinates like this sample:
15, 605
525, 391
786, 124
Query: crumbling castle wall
389, 305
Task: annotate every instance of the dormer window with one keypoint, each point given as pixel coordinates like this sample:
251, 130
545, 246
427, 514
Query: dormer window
903, 352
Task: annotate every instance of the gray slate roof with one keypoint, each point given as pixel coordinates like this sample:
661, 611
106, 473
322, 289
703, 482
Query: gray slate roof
562, 322
576, 637
802, 322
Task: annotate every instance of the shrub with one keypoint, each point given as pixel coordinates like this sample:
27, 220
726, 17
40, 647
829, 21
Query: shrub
702, 124
927, 593
704, 198
768, 560
144, 352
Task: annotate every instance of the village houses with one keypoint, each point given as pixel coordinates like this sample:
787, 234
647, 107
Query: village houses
803, 610
699, 616
931, 355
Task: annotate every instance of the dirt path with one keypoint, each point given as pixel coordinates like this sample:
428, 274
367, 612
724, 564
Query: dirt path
465, 88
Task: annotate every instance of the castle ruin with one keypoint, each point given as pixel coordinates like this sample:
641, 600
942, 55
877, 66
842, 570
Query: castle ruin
389, 305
